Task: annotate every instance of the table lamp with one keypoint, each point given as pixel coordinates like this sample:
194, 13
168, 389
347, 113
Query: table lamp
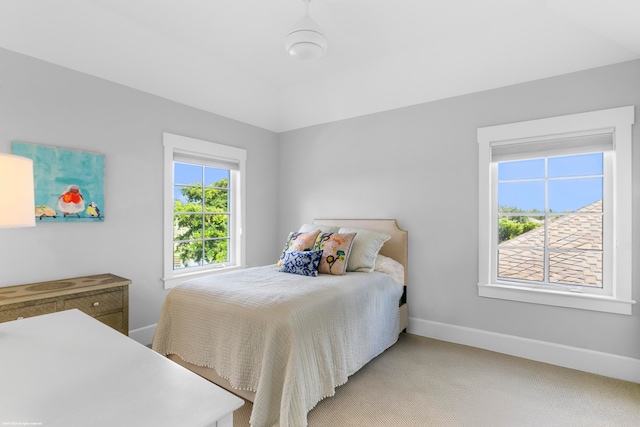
17, 206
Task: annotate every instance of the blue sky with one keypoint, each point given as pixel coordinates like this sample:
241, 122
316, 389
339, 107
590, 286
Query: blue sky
188, 174
573, 182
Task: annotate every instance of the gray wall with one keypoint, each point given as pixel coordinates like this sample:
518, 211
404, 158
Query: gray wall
46, 104
420, 165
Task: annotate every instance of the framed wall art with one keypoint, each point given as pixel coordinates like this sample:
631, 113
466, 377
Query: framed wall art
69, 184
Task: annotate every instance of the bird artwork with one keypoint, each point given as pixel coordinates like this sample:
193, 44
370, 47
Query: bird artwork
68, 183
93, 210
71, 201
45, 211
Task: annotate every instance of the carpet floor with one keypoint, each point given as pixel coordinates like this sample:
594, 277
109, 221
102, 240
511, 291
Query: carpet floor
425, 382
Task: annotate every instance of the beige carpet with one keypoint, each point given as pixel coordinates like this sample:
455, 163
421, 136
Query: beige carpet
424, 382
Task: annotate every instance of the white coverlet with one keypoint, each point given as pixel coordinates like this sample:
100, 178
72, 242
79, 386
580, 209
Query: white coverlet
291, 339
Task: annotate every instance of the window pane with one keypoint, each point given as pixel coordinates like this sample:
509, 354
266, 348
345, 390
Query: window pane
522, 264
216, 200
179, 196
576, 268
569, 195
187, 226
189, 198
184, 173
216, 226
521, 169
524, 196
521, 230
216, 177
576, 232
216, 251
581, 165
187, 254
190, 250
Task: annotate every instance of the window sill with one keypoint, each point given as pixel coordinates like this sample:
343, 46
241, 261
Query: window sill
557, 298
177, 278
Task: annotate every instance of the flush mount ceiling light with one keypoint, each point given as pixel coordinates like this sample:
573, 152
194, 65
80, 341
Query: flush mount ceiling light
306, 40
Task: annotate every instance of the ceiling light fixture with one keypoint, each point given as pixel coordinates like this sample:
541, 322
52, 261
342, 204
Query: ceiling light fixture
306, 41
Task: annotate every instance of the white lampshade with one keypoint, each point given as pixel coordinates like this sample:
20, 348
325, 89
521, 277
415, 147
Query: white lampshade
306, 41
17, 205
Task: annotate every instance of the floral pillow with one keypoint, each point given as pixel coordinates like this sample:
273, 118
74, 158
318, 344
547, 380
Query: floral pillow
298, 241
304, 263
335, 249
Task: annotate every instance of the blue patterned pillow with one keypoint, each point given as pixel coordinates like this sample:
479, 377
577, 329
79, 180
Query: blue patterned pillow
301, 262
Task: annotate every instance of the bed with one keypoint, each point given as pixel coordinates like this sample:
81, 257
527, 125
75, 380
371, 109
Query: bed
286, 341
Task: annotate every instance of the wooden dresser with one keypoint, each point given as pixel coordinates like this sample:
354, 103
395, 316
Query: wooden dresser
103, 296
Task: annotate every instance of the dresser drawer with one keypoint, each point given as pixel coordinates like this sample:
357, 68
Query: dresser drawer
28, 311
95, 305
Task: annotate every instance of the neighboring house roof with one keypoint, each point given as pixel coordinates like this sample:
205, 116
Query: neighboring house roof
574, 233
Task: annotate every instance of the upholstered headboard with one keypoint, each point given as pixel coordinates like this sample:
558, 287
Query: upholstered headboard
396, 247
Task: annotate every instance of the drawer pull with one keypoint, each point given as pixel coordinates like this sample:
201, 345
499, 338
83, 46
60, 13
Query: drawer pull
96, 304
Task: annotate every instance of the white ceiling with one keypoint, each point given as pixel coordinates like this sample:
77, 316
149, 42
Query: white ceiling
228, 57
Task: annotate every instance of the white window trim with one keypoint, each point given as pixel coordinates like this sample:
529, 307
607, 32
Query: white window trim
620, 121
199, 148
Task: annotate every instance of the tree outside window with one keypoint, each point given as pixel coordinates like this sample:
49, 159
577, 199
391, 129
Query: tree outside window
201, 215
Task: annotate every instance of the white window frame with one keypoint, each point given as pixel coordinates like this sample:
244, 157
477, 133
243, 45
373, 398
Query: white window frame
206, 151
618, 121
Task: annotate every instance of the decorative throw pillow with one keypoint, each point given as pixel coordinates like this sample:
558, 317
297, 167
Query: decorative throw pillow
301, 262
365, 248
299, 242
335, 249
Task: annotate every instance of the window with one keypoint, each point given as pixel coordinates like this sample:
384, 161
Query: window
555, 211
203, 211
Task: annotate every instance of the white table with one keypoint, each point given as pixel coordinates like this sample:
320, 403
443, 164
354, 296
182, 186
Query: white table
68, 369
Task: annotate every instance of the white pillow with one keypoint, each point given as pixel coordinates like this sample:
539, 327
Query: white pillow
391, 267
306, 228
365, 248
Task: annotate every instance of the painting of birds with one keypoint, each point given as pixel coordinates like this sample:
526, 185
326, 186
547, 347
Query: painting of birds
71, 201
93, 210
69, 183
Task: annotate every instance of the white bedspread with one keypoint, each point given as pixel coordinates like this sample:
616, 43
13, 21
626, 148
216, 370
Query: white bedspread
290, 339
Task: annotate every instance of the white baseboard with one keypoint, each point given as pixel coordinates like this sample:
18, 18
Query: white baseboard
609, 365
143, 335
595, 362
